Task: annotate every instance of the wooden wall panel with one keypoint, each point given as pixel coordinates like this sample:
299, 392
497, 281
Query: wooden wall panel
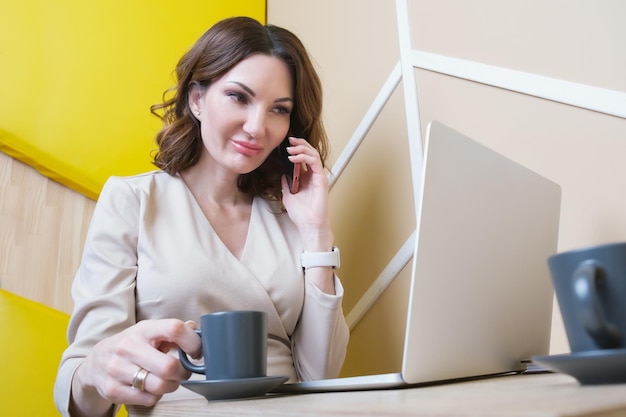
42, 231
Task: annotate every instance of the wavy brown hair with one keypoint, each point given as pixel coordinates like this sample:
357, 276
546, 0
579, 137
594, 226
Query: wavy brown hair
218, 50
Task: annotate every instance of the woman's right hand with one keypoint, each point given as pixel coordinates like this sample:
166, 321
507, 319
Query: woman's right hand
106, 375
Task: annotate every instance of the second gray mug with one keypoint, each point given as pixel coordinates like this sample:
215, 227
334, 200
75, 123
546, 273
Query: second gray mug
590, 286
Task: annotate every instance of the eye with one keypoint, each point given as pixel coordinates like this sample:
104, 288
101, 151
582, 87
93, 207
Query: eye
237, 96
282, 110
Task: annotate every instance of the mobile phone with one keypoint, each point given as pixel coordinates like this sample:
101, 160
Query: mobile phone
291, 170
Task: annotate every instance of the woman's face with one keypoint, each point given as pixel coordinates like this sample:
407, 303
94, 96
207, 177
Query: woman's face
245, 114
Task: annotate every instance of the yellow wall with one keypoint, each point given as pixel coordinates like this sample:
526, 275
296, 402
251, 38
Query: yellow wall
29, 367
78, 78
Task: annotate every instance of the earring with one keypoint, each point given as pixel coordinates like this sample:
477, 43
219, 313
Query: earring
197, 113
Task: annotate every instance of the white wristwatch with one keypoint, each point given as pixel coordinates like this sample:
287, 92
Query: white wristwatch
313, 259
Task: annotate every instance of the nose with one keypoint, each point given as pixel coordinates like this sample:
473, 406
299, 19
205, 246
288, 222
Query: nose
255, 123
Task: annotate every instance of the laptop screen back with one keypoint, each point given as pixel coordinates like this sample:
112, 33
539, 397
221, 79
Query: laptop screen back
481, 296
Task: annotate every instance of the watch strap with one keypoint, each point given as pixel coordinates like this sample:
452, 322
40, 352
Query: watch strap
316, 259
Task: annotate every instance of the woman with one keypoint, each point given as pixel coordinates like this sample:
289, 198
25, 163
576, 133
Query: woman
216, 228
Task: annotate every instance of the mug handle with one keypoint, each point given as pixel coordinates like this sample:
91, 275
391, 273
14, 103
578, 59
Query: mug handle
184, 360
587, 280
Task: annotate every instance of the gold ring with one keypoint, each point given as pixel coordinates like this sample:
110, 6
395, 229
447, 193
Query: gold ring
139, 380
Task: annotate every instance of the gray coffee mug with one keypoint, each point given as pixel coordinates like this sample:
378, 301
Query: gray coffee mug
590, 286
234, 345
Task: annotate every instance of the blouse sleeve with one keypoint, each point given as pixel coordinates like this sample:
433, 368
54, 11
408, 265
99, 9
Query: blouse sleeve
103, 289
321, 337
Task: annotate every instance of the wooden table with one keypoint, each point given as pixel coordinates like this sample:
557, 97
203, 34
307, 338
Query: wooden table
538, 395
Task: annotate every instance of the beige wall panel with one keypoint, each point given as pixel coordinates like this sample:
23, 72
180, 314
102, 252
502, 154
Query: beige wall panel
377, 343
373, 215
579, 41
355, 45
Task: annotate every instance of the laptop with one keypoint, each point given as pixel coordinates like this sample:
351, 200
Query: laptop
480, 300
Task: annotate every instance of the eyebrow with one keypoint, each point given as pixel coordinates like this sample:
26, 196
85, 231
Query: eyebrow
249, 91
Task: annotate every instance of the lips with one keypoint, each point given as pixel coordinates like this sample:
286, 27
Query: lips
247, 148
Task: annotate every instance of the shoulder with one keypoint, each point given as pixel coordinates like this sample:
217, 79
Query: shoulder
139, 185
121, 193
138, 181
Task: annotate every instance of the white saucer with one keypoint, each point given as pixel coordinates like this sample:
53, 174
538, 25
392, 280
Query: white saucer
228, 389
606, 366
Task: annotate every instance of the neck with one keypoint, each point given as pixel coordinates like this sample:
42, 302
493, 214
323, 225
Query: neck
212, 187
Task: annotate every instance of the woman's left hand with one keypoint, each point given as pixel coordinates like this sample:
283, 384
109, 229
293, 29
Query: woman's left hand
308, 208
